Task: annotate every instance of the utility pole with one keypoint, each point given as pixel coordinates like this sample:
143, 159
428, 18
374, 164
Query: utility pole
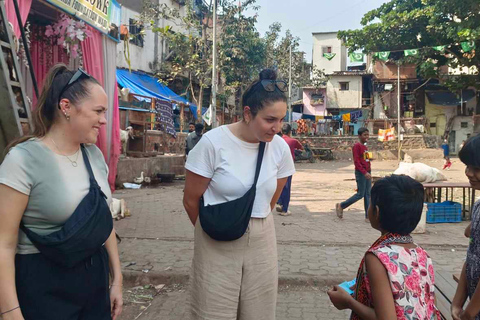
214, 68
398, 109
290, 89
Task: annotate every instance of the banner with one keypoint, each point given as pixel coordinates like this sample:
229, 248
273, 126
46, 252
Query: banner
329, 56
164, 111
207, 116
383, 55
356, 57
439, 48
411, 52
103, 15
468, 46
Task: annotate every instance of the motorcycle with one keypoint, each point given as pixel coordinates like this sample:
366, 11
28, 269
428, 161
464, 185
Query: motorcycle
305, 154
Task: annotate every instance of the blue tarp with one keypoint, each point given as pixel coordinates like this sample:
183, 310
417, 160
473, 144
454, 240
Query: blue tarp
146, 85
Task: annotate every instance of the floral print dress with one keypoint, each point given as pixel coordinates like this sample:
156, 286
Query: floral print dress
412, 280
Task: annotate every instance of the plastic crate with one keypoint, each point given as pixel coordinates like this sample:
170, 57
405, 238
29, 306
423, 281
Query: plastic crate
445, 212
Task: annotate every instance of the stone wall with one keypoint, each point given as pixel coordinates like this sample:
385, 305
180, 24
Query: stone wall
130, 168
165, 142
345, 143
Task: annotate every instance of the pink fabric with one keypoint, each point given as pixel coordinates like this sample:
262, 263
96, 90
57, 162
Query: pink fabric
24, 6
116, 145
412, 279
92, 49
45, 54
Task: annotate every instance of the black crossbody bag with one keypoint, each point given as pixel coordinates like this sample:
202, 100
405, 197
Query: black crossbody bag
229, 221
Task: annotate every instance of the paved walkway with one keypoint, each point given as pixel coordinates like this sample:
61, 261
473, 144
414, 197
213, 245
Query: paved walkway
316, 249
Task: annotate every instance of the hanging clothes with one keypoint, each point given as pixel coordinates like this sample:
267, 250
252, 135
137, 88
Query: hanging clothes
346, 117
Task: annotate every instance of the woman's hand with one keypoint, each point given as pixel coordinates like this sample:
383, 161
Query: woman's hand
116, 301
340, 298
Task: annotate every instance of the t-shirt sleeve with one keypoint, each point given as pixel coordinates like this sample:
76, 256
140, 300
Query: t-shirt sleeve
286, 166
201, 159
15, 171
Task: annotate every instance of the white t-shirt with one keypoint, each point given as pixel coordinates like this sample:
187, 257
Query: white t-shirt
231, 162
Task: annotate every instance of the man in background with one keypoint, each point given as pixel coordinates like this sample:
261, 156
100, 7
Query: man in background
363, 175
191, 127
284, 200
193, 138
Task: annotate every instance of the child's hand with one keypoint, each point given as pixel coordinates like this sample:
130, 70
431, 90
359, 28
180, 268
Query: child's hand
456, 312
340, 298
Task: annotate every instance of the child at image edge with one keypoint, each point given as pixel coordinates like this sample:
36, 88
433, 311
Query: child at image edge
468, 284
396, 277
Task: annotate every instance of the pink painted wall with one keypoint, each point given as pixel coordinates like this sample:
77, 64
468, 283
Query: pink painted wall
314, 107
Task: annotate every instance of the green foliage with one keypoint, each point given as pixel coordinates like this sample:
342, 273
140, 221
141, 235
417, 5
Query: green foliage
411, 24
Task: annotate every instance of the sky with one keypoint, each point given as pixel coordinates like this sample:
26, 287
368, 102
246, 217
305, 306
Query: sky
303, 17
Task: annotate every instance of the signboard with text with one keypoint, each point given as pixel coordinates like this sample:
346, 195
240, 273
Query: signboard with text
102, 14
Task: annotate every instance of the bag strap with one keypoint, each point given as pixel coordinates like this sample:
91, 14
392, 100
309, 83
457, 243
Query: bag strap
261, 152
88, 165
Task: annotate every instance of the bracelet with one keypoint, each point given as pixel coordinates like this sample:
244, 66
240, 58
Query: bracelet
1, 314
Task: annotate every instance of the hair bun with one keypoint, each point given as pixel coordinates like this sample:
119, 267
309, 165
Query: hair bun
268, 74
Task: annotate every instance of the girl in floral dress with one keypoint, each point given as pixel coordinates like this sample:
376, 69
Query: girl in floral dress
468, 284
396, 277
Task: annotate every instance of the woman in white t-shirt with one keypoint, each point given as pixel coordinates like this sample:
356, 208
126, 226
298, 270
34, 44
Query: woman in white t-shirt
239, 279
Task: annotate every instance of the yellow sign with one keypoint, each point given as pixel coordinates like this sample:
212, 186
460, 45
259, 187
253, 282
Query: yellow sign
101, 14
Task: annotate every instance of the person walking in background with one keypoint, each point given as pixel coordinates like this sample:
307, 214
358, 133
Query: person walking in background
191, 127
363, 175
468, 286
446, 155
193, 138
57, 242
293, 144
396, 278
238, 278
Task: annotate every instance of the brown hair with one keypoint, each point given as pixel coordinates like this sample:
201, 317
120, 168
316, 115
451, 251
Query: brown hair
258, 99
44, 115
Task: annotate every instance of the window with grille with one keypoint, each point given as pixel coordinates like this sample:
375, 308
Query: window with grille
344, 86
135, 30
326, 49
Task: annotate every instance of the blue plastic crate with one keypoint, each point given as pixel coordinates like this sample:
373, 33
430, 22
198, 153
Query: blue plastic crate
445, 212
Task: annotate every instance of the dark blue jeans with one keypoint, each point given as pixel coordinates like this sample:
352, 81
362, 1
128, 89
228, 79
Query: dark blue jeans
284, 199
364, 186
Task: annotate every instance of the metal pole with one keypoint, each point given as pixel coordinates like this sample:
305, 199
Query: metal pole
25, 45
398, 109
290, 89
214, 68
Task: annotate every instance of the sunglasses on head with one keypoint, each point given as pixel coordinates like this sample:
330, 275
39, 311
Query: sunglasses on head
269, 85
77, 76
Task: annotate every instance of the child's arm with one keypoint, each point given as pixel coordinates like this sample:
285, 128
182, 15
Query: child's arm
460, 295
473, 307
468, 230
381, 289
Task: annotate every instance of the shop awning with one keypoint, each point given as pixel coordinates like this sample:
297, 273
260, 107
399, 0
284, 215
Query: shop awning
146, 85
448, 98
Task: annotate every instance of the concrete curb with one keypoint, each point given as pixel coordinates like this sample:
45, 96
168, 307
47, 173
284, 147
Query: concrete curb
138, 278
